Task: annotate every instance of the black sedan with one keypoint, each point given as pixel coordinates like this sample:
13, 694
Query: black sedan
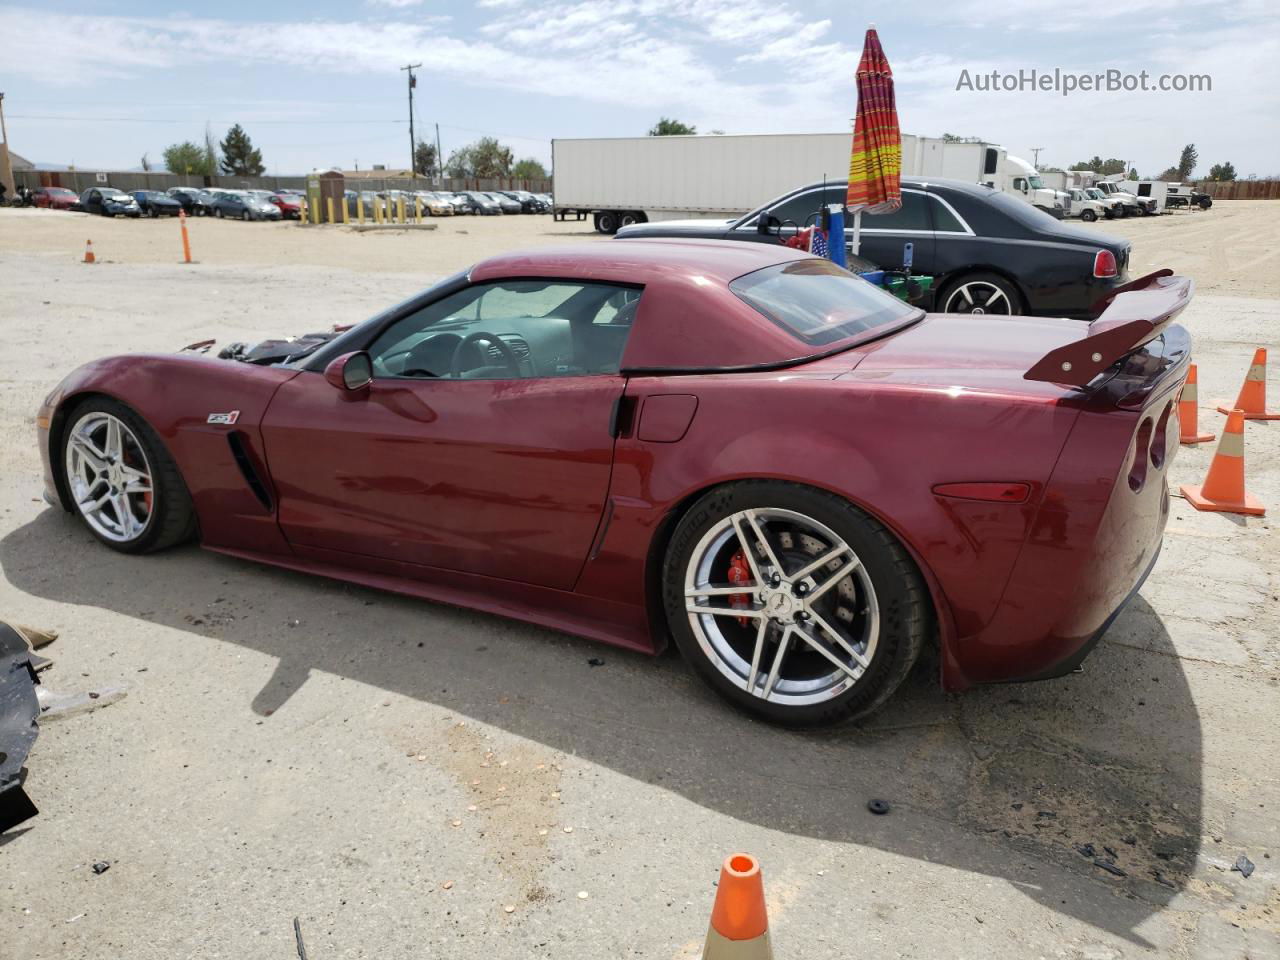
482, 203
987, 252
197, 203
156, 204
109, 202
528, 202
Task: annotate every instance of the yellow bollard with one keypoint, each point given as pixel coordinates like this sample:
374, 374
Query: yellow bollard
417, 209
346, 211
315, 213
360, 207
400, 208
329, 209
377, 210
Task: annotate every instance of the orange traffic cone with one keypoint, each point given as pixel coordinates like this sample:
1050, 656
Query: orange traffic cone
1223, 488
739, 925
1188, 411
1253, 395
88, 252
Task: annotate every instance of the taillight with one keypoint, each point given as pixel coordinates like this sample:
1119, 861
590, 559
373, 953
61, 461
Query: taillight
1104, 264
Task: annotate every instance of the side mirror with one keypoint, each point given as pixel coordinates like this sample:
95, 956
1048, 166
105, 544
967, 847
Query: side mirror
350, 372
767, 224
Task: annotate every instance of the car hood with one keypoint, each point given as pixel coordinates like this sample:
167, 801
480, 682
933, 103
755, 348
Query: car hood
678, 228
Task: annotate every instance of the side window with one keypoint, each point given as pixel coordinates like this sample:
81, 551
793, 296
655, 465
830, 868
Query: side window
510, 330
944, 221
912, 215
803, 208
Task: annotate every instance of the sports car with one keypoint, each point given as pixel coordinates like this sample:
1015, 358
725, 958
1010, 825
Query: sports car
800, 479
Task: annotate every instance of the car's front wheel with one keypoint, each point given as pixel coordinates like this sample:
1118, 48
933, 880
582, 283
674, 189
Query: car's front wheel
792, 603
1088, 216
122, 481
217, 212
981, 293
245, 215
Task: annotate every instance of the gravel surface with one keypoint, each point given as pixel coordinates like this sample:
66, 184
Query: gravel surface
415, 780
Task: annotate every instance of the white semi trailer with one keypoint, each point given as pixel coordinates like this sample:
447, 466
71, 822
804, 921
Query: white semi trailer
624, 180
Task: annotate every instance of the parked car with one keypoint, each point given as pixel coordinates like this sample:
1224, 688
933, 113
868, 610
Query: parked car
434, 205
987, 252
244, 206
54, 198
1080, 204
290, 206
153, 203
196, 203
109, 202
505, 202
482, 203
528, 202
461, 203
965, 493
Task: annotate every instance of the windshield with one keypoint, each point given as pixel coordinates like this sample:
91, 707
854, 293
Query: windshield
1036, 183
1094, 194
819, 302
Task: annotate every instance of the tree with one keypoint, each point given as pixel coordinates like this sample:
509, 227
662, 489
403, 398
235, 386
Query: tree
146, 164
1187, 162
187, 158
1172, 174
1098, 165
1222, 171
672, 128
484, 158
529, 169
425, 161
1133, 173
239, 158
211, 157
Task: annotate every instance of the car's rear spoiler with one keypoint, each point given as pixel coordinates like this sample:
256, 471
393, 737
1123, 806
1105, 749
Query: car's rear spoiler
1134, 314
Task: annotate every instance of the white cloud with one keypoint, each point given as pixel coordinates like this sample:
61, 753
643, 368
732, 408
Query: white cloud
393, 4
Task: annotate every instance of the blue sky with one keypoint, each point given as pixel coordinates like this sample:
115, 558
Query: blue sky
98, 84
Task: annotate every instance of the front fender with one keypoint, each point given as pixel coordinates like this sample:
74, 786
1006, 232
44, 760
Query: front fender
176, 395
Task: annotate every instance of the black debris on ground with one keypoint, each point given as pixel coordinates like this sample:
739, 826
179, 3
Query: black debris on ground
101, 866
1108, 866
595, 662
1243, 865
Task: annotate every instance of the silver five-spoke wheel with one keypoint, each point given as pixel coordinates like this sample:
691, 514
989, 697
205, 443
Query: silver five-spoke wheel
782, 606
978, 296
109, 476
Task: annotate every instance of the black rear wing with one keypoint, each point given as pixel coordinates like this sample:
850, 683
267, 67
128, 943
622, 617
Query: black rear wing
1133, 315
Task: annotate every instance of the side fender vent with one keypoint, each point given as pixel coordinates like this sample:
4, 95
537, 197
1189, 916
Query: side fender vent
235, 440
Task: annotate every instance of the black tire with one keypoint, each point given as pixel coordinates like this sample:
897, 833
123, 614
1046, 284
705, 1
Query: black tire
1205, 203
217, 212
906, 613
607, 221
153, 213
631, 217
1122, 211
246, 216
173, 518
991, 279
1088, 216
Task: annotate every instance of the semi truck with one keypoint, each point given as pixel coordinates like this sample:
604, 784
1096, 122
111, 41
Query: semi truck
625, 180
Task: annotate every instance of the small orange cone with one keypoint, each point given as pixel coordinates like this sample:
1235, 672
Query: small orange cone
1188, 411
739, 927
1223, 488
88, 252
1253, 395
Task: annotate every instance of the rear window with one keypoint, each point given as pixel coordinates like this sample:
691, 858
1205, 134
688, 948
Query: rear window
819, 302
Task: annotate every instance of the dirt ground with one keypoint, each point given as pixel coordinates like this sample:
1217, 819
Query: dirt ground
398, 774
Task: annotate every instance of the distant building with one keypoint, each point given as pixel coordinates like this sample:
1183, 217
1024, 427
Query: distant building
378, 173
20, 163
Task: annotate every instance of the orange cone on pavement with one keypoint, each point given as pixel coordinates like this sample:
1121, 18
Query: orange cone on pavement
1253, 395
739, 924
1223, 488
88, 252
1188, 411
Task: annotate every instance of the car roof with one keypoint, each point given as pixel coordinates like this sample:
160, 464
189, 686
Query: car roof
688, 318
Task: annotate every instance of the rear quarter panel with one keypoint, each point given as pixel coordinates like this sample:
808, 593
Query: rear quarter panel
176, 395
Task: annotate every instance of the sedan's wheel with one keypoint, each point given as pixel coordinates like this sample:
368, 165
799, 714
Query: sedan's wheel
245, 215
217, 212
123, 482
792, 603
981, 293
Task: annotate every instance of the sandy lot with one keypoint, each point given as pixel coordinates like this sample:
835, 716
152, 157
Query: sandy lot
293, 747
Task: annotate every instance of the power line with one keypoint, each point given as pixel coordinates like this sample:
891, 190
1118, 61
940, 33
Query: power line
242, 120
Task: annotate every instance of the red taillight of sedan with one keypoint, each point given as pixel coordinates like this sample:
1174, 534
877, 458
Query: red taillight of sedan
1104, 264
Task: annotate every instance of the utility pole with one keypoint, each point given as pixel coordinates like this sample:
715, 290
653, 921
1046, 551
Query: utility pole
1035, 162
413, 144
439, 155
6, 170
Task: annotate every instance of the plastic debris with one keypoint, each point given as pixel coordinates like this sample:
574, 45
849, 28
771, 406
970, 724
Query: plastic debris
1108, 866
1086, 850
595, 662
101, 867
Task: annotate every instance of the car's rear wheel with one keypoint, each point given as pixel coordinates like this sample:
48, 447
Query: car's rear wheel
122, 481
217, 212
792, 603
245, 215
981, 293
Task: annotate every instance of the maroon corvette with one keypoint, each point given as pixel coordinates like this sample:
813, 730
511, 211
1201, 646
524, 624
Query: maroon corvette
801, 479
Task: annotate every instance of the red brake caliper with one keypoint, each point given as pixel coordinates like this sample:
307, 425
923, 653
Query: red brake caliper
739, 574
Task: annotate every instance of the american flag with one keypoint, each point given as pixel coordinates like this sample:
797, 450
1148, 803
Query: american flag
818, 243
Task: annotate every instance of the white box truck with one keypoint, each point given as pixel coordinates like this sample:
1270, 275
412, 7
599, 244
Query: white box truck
625, 180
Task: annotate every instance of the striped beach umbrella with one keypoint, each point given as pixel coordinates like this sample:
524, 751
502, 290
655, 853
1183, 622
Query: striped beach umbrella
875, 163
